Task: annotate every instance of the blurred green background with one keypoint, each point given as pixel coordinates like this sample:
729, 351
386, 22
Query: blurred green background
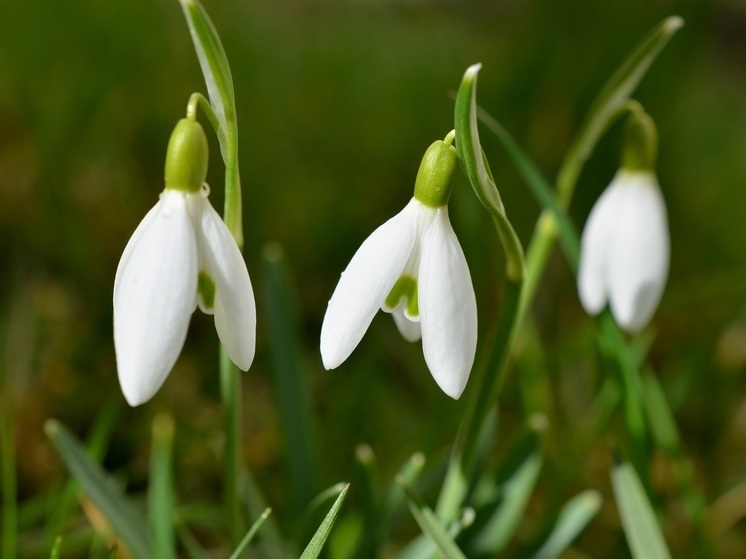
337, 101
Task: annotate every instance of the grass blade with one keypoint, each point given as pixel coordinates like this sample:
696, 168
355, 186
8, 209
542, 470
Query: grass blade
538, 185
573, 518
288, 373
638, 519
250, 534
318, 540
517, 479
124, 520
376, 534
431, 526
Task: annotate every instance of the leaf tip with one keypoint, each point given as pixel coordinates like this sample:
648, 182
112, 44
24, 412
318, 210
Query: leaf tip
472, 71
51, 428
673, 23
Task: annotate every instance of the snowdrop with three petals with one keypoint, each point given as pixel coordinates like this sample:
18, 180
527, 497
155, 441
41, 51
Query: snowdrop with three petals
413, 267
181, 256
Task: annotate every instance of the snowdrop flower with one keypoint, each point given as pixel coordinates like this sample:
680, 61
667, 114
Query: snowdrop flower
625, 244
180, 256
413, 267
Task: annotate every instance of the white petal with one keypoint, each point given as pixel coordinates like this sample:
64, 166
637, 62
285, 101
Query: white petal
154, 297
448, 307
640, 253
364, 285
595, 249
409, 329
234, 308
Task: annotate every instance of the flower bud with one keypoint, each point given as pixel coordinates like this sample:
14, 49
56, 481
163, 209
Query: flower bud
186, 158
435, 177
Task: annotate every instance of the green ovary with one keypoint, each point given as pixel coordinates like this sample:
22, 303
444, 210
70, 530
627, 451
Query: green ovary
206, 289
404, 288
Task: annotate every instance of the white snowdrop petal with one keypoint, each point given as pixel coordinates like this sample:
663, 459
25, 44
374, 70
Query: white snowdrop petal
595, 245
409, 329
448, 308
640, 253
143, 226
364, 285
234, 306
154, 298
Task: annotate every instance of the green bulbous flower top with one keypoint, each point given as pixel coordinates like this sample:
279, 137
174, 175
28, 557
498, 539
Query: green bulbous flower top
186, 158
435, 178
640, 142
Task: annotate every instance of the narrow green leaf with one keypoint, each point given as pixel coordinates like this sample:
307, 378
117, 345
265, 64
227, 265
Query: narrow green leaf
217, 74
9, 484
124, 520
288, 374
517, 478
422, 547
161, 492
376, 535
661, 419
477, 170
431, 526
319, 538
214, 63
638, 519
271, 541
250, 534
538, 185
367, 483
96, 444
55, 553
313, 510
113, 553
573, 518
610, 100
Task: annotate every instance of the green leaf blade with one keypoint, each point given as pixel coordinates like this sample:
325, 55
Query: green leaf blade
161, 492
288, 373
214, 64
250, 534
313, 550
126, 522
573, 518
477, 170
638, 519
610, 101
431, 526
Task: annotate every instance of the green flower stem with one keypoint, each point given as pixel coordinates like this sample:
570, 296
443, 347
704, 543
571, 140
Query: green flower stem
464, 459
489, 380
198, 100
161, 492
221, 112
230, 395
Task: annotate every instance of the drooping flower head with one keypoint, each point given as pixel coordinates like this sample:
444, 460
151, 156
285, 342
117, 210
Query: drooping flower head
413, 267
180, 256
625, 244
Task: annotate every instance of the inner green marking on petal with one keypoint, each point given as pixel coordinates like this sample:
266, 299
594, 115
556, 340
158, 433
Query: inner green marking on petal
404, 288
206, 289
